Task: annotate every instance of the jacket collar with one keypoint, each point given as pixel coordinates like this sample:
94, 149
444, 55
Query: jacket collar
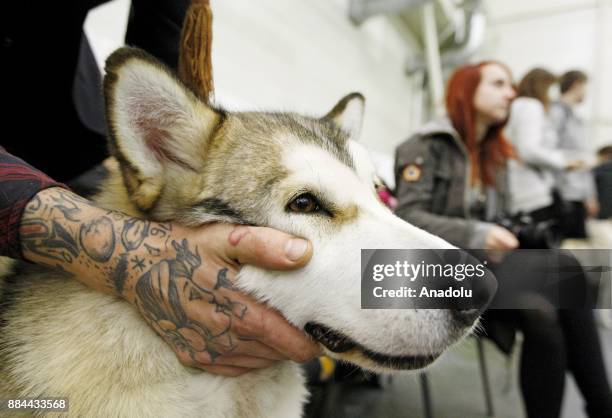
442, 127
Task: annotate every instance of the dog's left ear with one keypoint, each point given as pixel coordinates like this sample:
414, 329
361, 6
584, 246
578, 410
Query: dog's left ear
348, 114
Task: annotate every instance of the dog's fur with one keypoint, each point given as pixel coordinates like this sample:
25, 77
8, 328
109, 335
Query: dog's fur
184, 161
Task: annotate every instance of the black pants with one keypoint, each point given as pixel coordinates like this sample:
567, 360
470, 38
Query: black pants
574, 223
556, 341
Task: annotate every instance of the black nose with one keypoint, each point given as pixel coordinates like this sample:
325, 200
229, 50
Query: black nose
467, 310
465, 317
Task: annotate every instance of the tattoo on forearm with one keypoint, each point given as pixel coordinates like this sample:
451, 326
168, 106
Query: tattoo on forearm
50, 230
138, 263
166, 309
97, 239
55, 243
135, 231
58, 231
68, 207
152, 250
120, 274
33, 205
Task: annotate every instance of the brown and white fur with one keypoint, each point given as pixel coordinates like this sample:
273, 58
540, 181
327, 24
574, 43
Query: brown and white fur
185, 161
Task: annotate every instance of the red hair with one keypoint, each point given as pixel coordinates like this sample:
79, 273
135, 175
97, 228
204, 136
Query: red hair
494, 150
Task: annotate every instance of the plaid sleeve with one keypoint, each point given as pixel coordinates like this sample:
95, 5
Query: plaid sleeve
19, 182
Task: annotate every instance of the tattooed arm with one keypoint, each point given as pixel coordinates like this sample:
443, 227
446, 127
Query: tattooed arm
180, 279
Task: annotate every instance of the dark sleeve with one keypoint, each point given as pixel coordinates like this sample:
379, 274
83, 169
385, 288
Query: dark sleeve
415, 196
155, 26
19, 182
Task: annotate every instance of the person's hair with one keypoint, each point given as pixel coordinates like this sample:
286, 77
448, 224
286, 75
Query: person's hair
535, 84
605, 152
492, 152
568, 79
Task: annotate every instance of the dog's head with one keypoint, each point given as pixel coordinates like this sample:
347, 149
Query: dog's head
183, 160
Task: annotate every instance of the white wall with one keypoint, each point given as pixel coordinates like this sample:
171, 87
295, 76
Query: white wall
297, 55
558, 35
303, 55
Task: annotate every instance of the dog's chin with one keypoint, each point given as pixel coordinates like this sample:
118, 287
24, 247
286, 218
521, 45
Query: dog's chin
344, 348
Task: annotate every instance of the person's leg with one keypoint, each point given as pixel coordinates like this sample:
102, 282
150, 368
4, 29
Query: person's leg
585, 361
543, 362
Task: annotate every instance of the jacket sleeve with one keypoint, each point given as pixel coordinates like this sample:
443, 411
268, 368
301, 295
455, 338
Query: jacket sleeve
415, 196
19, 182
529, 124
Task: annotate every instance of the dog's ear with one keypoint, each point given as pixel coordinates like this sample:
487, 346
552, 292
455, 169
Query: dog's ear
348, 114
155, 123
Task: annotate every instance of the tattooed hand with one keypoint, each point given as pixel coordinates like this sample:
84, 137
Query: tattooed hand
180, 279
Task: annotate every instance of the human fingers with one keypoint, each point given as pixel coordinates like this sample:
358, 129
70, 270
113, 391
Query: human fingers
256, 348
238, 361
225, 370
266, 247
272, 330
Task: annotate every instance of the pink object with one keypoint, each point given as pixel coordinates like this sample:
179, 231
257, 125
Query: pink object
387, 198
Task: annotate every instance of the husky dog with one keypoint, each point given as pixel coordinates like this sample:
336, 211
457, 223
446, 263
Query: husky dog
182, 160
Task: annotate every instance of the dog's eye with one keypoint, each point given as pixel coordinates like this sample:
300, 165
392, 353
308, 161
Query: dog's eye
378, 183
304, 203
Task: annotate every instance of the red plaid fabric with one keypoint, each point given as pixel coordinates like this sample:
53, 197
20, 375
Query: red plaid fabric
19, 182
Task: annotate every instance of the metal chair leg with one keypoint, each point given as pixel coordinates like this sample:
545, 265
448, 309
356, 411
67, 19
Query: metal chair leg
426, 395
484, 375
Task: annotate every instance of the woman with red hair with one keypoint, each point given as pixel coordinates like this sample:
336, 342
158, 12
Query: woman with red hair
451, 181
445, 172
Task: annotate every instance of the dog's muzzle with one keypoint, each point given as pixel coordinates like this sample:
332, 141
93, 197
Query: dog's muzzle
334, 341
339, 343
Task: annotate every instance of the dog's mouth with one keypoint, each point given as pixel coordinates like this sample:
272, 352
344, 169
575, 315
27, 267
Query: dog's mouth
339, 343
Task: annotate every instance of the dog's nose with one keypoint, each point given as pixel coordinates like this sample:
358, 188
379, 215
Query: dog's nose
467, 310
483, 289
465, 317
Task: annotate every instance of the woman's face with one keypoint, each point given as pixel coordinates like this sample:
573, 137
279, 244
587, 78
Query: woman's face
494, 94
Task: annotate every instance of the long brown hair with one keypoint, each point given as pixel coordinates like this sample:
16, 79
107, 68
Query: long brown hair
535, 84
493, 151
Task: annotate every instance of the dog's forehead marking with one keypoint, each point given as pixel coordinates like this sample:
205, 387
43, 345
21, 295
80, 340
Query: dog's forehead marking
313, 166
322, 133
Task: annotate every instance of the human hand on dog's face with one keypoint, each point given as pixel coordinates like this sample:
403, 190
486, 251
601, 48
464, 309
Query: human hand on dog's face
190, 300
180, 279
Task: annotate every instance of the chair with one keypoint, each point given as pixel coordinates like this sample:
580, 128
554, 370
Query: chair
484, 376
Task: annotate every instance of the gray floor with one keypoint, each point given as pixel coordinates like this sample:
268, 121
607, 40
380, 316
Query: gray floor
456, 389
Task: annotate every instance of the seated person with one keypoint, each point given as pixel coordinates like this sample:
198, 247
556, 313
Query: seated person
450, 180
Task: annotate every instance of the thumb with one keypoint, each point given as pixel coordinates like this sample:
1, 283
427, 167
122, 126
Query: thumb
266, 247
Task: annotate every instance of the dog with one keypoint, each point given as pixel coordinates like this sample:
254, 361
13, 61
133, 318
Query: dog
182, 160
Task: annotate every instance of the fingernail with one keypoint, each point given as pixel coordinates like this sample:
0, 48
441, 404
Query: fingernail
295, 248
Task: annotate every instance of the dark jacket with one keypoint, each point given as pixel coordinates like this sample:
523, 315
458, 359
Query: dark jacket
37, 80
431, 177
